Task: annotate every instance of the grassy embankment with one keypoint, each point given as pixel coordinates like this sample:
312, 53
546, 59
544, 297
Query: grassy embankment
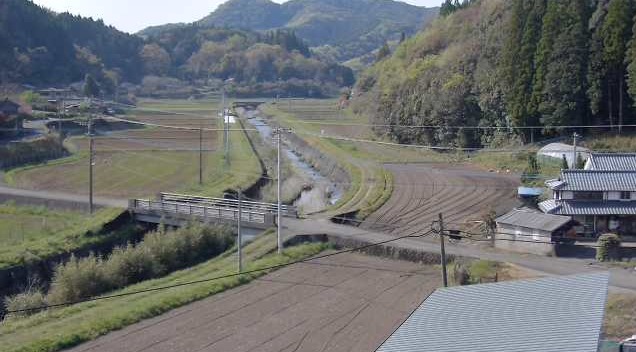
65, 327
371, 185
124, 169
29, 234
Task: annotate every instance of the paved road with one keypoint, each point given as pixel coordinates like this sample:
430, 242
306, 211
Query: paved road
348, 302
62, 197
621, 279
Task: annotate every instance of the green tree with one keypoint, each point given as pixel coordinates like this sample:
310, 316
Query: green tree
597, 69
630, 60
560, 82
616, 33
564, 163
91, 88
518, 64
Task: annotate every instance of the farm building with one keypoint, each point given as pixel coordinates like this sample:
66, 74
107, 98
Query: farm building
542, 315
600, 200
529, 231
10, 119
554, 152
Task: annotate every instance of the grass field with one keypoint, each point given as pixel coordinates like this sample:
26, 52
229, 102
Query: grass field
62, 328
29, 233
143, 162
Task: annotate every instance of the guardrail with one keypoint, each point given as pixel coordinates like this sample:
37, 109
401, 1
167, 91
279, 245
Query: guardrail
272, 208
196, 210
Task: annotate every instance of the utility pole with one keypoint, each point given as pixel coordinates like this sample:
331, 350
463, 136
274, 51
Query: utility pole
575, 156
442, 250
90, 165
200, 156
278, 217
278, 132
238, 230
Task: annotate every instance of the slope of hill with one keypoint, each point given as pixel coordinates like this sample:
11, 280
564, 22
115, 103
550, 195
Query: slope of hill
353, 27
39, 46
506, 63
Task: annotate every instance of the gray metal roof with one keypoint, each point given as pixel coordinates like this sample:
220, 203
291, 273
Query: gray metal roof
543, 315
533, 220
579, 207
612, 161
595, 180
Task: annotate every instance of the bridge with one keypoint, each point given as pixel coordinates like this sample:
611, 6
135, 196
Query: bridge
177, 210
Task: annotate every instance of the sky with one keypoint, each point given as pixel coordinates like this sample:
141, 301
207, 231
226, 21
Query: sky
133, 15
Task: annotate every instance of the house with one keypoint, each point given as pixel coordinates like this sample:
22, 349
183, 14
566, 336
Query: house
611, 162
601, 200
10, 119
530, 231
554, 314
554, 153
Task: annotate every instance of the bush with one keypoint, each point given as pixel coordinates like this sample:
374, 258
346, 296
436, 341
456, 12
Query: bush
158, 254
30, 299
608, 247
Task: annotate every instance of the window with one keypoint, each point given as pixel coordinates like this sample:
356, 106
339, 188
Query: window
626, 195
588, 195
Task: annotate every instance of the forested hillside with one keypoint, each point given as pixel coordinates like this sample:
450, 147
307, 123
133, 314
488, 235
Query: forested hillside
339, 29
508, 63
41, 47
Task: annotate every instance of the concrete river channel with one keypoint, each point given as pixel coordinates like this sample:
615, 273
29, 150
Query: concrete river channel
321, 192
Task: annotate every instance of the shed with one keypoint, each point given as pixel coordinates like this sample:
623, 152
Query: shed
530, 231
8, 107
554, 152
551, 314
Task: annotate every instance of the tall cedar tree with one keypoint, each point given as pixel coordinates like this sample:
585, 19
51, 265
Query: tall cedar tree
597, 69
615, 33
561, 63
519, 59
630, 60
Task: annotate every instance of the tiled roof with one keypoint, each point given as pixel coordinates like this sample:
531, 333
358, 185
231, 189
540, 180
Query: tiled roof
578, 207
551, 314
595, 180
612, 161
533, 220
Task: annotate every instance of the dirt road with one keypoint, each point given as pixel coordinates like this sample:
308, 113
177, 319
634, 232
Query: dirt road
422, 191
348, 302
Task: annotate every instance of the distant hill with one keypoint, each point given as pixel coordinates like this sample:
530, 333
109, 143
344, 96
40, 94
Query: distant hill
344, 29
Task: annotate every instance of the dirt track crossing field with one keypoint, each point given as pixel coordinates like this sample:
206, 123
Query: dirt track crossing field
349, 302
422, 191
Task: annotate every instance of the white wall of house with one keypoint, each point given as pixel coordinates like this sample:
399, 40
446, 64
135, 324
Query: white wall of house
523, 240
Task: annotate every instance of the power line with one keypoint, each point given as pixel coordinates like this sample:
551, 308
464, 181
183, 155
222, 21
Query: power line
188, 283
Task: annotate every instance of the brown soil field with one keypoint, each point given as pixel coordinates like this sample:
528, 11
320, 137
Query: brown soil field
463, 194
348, 302
152, 139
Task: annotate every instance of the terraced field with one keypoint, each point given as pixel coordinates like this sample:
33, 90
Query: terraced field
421, 191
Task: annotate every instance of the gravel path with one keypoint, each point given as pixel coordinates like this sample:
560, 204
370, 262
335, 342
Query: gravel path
349, 302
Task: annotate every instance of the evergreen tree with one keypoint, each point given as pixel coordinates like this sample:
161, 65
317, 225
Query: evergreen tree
564, 163
518, 64
562, 62
597, 69
630, 60
447, 8
615, 34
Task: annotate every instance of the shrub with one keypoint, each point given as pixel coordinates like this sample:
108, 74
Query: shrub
608, 247
77, 279
158, 254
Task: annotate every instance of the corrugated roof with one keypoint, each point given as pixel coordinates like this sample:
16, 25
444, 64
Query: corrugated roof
579, 207
533, 220
543, 315
561, 148
612, 161
595, 180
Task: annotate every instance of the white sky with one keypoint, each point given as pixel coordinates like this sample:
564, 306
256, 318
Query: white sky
134, 15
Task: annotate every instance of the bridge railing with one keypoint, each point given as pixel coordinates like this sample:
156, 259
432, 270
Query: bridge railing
286, 210
202, 211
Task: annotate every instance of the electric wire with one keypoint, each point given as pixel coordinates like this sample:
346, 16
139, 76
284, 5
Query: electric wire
188, 283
